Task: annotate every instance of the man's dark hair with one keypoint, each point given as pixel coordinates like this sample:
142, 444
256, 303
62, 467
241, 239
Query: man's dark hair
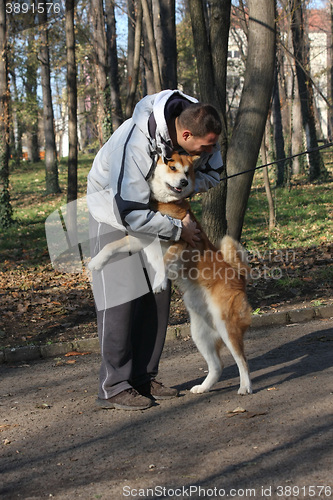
200, 119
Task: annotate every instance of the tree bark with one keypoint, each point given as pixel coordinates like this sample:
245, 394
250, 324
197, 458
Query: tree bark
51, 164
253, 109
5, 205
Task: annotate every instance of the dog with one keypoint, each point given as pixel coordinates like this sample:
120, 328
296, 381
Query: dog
212, 280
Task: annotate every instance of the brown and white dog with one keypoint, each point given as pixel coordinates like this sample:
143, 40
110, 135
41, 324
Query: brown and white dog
212, 279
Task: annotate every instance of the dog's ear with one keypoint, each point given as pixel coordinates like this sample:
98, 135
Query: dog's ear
195, 158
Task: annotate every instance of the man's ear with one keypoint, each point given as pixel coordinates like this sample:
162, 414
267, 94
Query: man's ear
186, 134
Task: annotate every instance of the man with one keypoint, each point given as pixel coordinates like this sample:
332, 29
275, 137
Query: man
131, 323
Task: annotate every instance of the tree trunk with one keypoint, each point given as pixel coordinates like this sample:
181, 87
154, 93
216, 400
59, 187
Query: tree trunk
278, 132
17, 123
252, 113
71, 221
31, 99
152, 46
111, 38
297, 139
316, 166
166, 42
72, 102
5, 205
272, 221
211, 54
330, 77
51, 164
136, 62
101, 65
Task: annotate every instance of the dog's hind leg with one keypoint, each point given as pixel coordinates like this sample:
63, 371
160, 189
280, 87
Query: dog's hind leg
232, 336
209, 345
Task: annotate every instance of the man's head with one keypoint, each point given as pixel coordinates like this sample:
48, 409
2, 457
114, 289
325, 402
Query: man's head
198, 128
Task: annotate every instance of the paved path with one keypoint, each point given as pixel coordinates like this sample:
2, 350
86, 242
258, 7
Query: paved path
56, 443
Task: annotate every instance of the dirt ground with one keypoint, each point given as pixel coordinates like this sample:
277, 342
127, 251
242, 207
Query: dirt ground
276, 443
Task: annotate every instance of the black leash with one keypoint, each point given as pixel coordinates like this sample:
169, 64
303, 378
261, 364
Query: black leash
309, 151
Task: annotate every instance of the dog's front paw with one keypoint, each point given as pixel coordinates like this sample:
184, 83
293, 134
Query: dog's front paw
245, 390
163, 286
95, 264
198, 389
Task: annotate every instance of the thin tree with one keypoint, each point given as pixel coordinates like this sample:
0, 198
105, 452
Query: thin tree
269, 196
5, 205
51, 163
101, 65
152, 45
135, 62
31, 99
72, 102
330, 75
278, 132
316, 165
111, 38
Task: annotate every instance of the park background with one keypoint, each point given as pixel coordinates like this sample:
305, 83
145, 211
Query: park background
69, 79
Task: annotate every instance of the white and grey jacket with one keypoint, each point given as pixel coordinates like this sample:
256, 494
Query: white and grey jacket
118, 192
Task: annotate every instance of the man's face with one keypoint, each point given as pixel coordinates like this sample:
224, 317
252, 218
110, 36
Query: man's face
195, 145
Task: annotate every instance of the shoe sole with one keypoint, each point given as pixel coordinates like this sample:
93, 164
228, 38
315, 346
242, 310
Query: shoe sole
105, 405
165, 397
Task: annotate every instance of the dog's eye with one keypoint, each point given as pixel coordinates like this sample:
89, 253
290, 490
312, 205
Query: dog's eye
173, 168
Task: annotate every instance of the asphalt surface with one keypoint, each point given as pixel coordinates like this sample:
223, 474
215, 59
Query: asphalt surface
276, 443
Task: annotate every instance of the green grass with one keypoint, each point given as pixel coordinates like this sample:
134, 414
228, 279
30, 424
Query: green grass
304, 215
25, 240
303, 212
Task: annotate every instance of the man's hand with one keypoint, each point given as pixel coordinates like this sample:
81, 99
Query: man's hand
190, 232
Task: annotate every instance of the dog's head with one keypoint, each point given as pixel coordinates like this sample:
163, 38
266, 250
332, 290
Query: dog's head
173, 180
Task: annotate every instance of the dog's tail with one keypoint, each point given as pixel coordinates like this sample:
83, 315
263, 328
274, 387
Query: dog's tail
235, 255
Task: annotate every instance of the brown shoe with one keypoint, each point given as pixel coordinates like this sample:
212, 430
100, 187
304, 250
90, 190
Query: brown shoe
129, 399
157, 390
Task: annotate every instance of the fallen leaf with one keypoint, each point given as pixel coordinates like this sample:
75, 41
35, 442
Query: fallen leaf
236, 411
43, 406
239, 409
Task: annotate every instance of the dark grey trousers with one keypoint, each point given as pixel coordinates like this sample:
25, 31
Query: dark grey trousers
131, 334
